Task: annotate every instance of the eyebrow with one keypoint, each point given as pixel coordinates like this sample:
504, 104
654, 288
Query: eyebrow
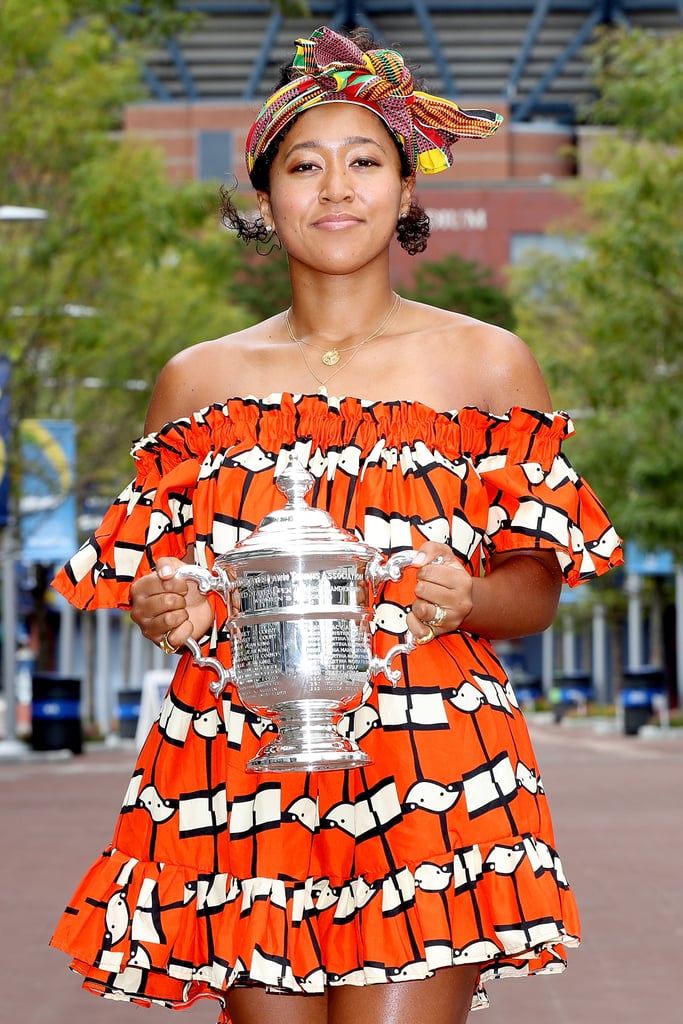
350, 140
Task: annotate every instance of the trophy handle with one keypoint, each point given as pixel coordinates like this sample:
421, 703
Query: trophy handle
225, 675
379, 572
383, 665
218, 581
215, 579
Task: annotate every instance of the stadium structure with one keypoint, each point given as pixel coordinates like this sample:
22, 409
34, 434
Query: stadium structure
527, 59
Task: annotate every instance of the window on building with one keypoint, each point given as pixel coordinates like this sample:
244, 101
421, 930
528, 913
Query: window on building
215, 157
524, 244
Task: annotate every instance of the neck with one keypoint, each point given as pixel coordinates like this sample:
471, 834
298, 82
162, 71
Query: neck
338, 310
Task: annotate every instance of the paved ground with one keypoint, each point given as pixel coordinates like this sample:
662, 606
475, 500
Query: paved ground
618, 804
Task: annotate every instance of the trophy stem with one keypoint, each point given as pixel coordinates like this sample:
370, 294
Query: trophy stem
308, 740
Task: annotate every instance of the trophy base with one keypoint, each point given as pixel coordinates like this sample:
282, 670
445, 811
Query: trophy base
308, 741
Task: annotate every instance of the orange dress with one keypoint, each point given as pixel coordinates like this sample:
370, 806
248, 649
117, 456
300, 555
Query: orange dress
439, 853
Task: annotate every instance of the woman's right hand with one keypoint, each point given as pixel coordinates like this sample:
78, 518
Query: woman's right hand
166, 607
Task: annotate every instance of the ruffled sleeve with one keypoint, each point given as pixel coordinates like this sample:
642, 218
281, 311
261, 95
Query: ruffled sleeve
536, 498
151, 518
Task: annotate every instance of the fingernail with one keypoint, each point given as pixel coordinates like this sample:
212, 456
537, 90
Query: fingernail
165, 572
420, 558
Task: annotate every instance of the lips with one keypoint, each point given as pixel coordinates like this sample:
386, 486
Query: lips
332, 221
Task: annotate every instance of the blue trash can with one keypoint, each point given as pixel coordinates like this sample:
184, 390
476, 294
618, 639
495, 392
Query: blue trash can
528, 692
128, 713
640, 686
56, 713
571, 690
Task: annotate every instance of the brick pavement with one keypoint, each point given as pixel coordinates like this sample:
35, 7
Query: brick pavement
618, 805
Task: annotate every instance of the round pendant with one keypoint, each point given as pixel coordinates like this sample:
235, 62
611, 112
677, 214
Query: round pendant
331, 357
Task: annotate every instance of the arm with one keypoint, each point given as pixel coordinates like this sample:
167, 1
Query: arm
161, 605
520, 594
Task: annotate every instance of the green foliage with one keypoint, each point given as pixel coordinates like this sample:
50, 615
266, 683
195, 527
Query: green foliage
126, 269
263, 283
463, 286
608, 327
638, 78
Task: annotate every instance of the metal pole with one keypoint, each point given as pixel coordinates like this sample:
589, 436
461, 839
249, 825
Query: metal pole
102, 714
547, 660
635, 627
10, 745
679, 634
600, 653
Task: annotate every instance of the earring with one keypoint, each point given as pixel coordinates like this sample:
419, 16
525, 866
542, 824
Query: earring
264, 246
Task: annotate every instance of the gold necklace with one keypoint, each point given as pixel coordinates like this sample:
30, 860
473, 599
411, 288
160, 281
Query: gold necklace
331, 356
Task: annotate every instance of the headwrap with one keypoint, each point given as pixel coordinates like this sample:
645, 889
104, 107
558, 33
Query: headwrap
331, 67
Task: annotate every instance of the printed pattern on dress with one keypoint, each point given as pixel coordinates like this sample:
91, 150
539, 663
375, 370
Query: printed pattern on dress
441, 851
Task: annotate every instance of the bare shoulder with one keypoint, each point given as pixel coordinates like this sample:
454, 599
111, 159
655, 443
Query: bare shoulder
500, 368
510, 373
197, 376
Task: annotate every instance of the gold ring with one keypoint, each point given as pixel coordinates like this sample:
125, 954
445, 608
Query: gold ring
439, 616
166, 645
427, 637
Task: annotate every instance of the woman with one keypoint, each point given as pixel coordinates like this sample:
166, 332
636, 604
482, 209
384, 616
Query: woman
435, 866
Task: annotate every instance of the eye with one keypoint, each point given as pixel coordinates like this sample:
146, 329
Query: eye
365, 161
305, 165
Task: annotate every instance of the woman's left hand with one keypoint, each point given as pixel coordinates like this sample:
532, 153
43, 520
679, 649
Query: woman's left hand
443, 593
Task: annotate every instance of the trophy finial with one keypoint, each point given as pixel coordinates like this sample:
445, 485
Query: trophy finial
294, 481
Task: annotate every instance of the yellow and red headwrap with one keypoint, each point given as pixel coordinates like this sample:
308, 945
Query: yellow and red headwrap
331, 67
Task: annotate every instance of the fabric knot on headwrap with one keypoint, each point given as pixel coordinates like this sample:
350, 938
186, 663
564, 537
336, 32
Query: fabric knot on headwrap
331, 67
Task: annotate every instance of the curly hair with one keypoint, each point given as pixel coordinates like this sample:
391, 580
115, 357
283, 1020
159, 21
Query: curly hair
412, 230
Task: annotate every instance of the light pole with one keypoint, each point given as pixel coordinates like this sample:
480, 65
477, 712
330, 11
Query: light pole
10, 746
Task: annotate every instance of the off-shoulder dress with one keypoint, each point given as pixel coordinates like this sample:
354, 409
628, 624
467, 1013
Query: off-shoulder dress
441, 852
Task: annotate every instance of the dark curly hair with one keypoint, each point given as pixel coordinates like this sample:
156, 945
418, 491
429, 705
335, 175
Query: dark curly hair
412, 230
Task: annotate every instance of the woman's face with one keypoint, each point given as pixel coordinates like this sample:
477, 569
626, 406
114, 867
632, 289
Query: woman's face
336, 190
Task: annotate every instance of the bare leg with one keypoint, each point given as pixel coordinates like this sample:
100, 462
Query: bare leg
256, 1006
443, 999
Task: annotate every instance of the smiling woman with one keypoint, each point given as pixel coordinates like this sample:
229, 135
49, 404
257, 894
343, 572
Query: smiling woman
304, 896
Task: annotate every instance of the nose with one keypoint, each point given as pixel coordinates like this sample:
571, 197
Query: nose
335, 186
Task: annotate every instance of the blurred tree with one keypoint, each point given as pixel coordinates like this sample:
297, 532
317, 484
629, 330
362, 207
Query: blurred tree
608, 326
263, 283
126, 269
464, 286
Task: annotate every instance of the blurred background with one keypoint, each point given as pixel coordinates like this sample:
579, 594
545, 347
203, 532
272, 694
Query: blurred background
118, 124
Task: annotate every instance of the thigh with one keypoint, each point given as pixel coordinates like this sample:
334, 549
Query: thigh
254, 1005
444, 998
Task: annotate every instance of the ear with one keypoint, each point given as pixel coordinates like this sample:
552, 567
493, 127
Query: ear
407, 190
263, 200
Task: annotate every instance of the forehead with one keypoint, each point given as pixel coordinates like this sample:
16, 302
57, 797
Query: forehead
338, 120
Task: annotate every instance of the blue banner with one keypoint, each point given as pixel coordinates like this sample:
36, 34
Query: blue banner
47, 509
649, 563
5, 373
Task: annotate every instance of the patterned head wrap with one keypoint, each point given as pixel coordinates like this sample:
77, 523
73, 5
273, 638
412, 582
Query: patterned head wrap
331, 67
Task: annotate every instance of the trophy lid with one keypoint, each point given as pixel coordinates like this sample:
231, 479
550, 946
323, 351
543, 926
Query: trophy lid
298, 529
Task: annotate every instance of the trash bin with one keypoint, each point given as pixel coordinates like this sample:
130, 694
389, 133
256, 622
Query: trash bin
56, 713
641, 685
128, 713
571, 690
528, 692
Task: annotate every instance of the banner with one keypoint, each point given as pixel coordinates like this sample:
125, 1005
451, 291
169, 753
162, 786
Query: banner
5, 371
649, 563
47, 508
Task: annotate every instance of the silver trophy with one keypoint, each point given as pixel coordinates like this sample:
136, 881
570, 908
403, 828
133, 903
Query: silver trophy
300, 595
